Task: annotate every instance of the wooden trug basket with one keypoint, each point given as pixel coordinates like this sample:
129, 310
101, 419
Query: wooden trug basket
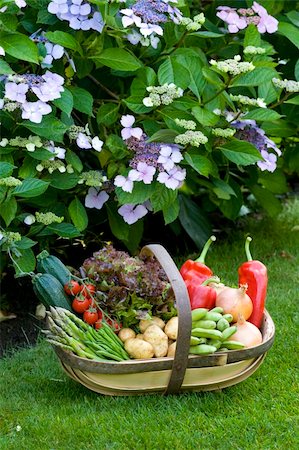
167, 375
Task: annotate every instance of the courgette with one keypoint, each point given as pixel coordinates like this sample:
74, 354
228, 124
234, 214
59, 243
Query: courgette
50, 291
47, 263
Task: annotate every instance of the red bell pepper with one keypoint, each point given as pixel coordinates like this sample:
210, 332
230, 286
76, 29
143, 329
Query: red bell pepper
197, 270
254, 274
201, 296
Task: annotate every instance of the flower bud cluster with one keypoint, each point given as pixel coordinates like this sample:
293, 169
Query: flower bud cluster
93, 178
52, 165
288, 85
233, 66
251, 50
195, 24
48, 218
187, 124
260, 102
10, 237
79, 14
162, 95
29, 143
224, 132
10, 182
194, 138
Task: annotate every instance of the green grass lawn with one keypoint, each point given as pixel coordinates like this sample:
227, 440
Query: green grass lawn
41, 408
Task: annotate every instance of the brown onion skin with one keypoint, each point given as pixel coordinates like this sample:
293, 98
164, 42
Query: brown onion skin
236, 302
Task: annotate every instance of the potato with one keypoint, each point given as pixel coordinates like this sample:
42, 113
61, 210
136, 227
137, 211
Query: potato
139, 336
126, 333
158, 339
139, 349
144, 324
171, 349
171, 328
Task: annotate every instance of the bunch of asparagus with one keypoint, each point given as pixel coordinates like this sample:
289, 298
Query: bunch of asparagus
69, 332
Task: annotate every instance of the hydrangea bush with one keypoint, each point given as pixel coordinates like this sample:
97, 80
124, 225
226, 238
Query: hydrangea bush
117, 114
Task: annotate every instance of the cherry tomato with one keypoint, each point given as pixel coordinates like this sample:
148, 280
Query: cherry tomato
80, 304
113, 324
90, 316
88, 290
98, 324
72, 287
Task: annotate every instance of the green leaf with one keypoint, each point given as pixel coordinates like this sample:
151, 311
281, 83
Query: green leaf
135, 104
267, 200
64, 39
28, 168
40, 154
268, 92
162, 197
62, 181
5, 68
74, 160
26, 261
275, 182
30, 187
212, 77
193, 221
223, 189
171, 71
66, 230
252, 36
231, 208
240, 152
145, 77
258, 76
78, 214
193, 65
163, 136
8, 210
279, 128
19, 46
49, 128
201, 164
293, 16
119, 228
140, 193
290, 32
117, 146
262, 114
25, 243
204, 116
65, 103
296, 70
83, 100
6, 169
207, 34
169, 114
171, 212
107, 114
293, 100
119, 59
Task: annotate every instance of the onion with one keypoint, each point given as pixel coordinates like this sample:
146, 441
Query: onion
247, 333
235, 301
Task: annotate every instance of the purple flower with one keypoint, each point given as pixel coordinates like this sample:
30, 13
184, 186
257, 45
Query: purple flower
34, 111
267, 23
129, 18
168, 156
95, 198
83, 141
16, 92
125, 183
230, 16
172, 179
144, 173
58, 7
127, 132
132, 213
54, 51
269, 162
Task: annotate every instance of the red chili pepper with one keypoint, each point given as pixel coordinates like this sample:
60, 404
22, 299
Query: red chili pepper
201, 296
197, 270
254, 274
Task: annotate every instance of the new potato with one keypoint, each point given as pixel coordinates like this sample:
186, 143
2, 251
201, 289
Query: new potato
144, 324
139, 349
158, 339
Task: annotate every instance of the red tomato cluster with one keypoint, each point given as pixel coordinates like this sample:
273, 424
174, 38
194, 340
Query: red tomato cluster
83, 303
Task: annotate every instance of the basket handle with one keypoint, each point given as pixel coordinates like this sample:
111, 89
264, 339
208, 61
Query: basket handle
180, 360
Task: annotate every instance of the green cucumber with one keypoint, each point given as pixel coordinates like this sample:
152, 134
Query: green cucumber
202, 349
50, 291
210, 324
198, 313
228, 332
204, 332
233, 345
196, 341
222, 324
47, 263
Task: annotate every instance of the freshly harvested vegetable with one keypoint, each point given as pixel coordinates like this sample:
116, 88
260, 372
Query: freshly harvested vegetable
200, 295
49, 291
235, 301
69, 332
139, 349
88, 290
197, 270
222, 324
247, 333
233, 345
80, 304
126, 333
158, 339
202, 349
254, 274
47, 263
72, 287
90, 316
198, 313
171, 349
209, 324
145, 323
205, 333
171, 328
